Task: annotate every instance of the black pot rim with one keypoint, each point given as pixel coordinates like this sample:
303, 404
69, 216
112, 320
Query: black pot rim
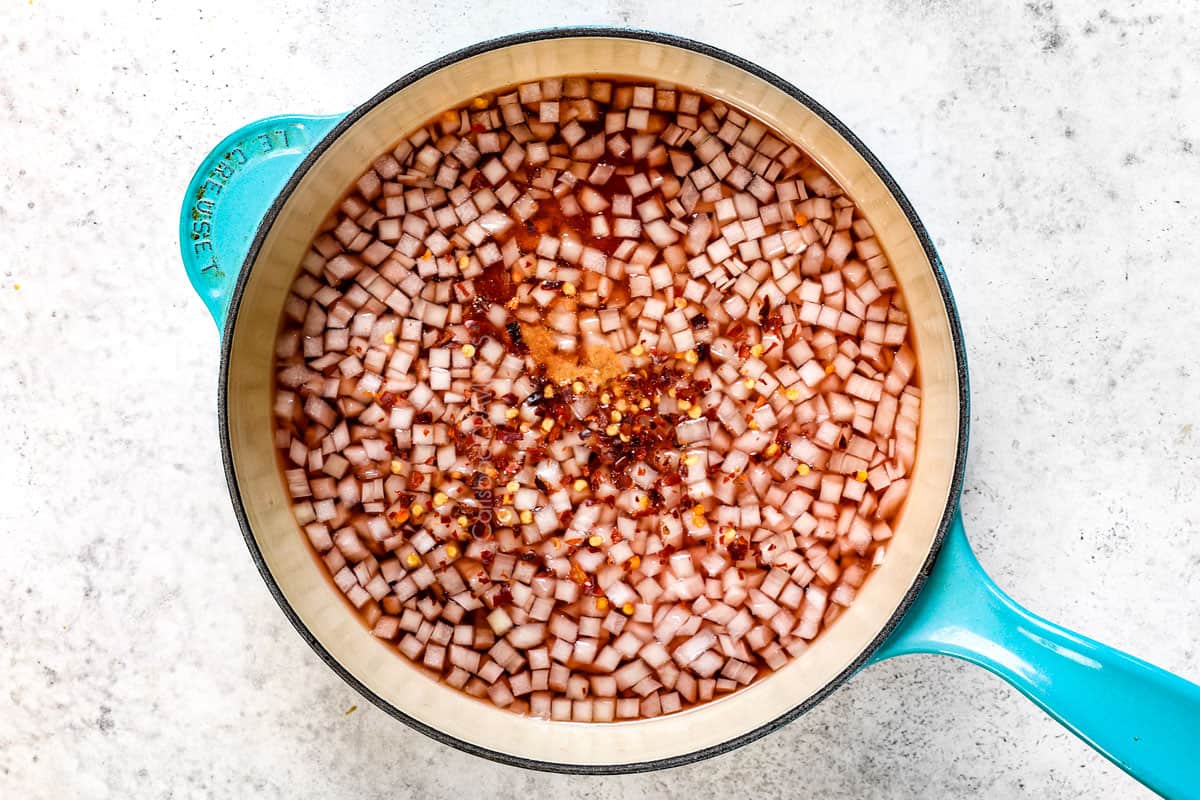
641, 35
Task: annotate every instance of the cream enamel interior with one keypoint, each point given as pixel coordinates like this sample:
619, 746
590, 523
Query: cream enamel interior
302, 578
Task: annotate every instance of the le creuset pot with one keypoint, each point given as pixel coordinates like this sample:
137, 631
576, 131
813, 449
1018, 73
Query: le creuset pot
249, 215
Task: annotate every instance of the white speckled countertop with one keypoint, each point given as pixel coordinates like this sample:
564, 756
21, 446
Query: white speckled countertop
1053, 150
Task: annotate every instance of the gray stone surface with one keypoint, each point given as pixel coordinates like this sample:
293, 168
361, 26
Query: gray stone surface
1053, 150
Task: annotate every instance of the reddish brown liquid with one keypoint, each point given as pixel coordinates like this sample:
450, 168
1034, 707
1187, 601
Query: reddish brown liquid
650, 433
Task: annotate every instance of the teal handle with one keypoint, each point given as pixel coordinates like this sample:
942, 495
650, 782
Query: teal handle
230, 194
1142, 718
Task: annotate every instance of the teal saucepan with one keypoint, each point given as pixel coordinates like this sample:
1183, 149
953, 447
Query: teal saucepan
248, 217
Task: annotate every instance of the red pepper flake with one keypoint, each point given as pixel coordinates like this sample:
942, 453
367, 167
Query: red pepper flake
738, 548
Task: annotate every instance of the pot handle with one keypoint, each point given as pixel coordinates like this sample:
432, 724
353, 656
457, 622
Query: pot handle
231, 192
1142, 718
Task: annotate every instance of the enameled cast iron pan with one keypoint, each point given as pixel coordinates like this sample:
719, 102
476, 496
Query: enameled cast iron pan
249, 215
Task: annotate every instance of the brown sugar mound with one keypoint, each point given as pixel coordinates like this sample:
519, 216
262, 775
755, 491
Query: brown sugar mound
594, 365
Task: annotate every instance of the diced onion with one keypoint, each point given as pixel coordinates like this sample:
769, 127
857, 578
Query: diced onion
597, 399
